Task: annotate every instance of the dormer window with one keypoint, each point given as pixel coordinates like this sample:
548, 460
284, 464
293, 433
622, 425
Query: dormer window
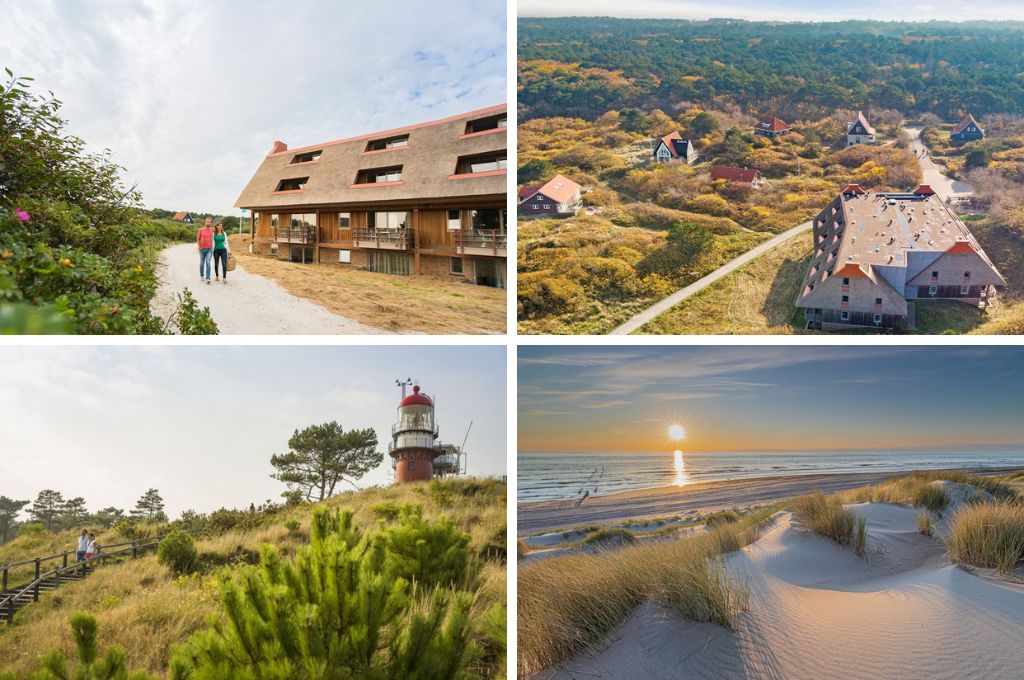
497, 122
295, 184
308, 157
396, 142
379, 175
488, 162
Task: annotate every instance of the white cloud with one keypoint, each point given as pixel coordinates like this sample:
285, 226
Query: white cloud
190, 95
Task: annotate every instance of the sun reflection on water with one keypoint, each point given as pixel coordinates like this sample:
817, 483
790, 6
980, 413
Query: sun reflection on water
680, 478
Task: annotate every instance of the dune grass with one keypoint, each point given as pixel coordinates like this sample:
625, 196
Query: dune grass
917, 489
568, 603
924, 523
988, 535
613, 536
145, 610
827, 517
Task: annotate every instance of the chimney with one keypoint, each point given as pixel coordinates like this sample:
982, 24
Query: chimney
279, 146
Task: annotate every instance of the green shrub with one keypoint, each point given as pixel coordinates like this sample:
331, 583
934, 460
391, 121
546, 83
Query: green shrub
345, 608
177, 551
387, 511
427, 553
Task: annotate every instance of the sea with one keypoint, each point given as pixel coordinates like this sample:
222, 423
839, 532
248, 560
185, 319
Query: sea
559, 476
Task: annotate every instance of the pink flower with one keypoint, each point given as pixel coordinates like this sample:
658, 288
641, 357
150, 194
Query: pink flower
22, 215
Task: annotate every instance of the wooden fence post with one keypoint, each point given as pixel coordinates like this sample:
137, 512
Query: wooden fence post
35, 589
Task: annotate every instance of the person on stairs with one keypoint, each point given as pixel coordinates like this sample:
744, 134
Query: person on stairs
83, 546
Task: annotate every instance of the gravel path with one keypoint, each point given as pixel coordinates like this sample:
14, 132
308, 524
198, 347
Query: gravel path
675, 298
248, 304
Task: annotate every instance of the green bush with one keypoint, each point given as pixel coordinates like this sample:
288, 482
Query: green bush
345, 608
177, 551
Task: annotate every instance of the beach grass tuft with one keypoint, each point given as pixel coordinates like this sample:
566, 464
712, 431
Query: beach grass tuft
610, 537
988, 535
568, 603
715, 519
924, 523
827, 517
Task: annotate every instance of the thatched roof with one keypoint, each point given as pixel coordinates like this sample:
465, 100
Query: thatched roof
428, 164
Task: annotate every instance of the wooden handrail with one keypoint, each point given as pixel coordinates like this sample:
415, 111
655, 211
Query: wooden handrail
61, 554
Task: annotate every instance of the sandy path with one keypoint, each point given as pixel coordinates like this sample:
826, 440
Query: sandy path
700, 284
818, 611
537, 516
944, 186
248, 304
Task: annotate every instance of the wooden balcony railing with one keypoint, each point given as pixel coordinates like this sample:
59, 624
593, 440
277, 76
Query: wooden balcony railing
391, 239
294, 234
476, 241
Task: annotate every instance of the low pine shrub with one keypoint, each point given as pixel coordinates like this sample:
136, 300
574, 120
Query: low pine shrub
177, 551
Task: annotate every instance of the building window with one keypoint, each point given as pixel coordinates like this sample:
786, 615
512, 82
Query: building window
303, 221
547, 207
344, 220
396, 142
877, 319
378, 175
455, 265
846, 282
295, 184
935, 275
488, 162
345, 256
846, 298
309, 157
878, 301
410, 465
495, 122
274, 221
488, 218
389, 263
967, 275
932, 290
454, 220
965, 290
844, 316
387, 220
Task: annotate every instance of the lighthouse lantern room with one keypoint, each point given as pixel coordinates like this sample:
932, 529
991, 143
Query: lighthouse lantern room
414, 438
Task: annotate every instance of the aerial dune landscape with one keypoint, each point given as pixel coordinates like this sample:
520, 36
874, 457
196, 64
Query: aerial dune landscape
761, 571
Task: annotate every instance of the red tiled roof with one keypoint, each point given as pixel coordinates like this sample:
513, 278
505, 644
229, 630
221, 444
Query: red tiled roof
968, 119
668, 139
745, 175
852, 269
853, 189
924, 190
773, 125
560, 189
178, 217
961, 248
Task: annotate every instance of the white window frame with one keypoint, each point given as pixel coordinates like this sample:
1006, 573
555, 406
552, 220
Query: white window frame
933, 290
844, 315
344, 256
965, 290
547, 206
877, 318
451, 267
347, 216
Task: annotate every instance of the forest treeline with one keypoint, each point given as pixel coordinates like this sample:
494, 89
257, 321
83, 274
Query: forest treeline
583, 67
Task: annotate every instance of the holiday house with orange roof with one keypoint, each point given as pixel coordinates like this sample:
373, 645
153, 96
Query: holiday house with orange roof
672, 147
775, 127
559, 196
875, 254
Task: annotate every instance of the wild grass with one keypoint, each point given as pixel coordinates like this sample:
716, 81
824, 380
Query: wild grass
568, 603
827, 517
141, 607
988, 535
721, 517
917, 489
614, 536
924, 523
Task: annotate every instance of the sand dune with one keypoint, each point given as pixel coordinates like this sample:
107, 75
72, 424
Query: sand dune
817, 611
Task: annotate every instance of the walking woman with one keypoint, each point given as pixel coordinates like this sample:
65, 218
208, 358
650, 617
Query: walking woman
220, 251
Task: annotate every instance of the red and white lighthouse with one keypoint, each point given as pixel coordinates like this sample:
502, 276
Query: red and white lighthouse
414, 439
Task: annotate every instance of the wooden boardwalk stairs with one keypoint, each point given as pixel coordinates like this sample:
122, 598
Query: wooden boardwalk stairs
51, 572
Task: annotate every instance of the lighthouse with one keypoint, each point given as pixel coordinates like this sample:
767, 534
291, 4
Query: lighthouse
414, 438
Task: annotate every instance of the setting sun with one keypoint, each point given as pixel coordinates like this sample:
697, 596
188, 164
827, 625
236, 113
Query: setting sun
676, 432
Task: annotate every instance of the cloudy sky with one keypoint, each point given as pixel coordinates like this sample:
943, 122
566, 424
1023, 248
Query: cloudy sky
191, 94
201, 423
770, 398
778, 10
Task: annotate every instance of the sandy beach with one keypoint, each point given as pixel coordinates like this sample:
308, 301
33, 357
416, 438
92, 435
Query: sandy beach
703, 497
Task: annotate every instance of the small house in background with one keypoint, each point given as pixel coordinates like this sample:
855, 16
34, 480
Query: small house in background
967, 130
560, 196
745, 177
775, 127
858, 131
184, 217
672, 147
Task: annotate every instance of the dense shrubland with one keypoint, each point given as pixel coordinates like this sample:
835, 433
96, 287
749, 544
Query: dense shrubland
76, 255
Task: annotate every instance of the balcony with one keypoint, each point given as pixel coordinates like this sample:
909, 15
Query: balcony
481, 242
294, 234
385, 239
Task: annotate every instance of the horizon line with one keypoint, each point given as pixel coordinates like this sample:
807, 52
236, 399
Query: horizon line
769, 21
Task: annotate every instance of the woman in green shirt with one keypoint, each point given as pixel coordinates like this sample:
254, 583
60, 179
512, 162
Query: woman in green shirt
220, 251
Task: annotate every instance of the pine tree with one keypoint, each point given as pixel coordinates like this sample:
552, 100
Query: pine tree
108, 517
343, 608
322, 456
73, 512
9, 509
47, 508
149, 507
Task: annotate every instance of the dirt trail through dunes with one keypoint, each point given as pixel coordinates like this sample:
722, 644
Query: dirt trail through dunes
945, 187
818, 611
248, 304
